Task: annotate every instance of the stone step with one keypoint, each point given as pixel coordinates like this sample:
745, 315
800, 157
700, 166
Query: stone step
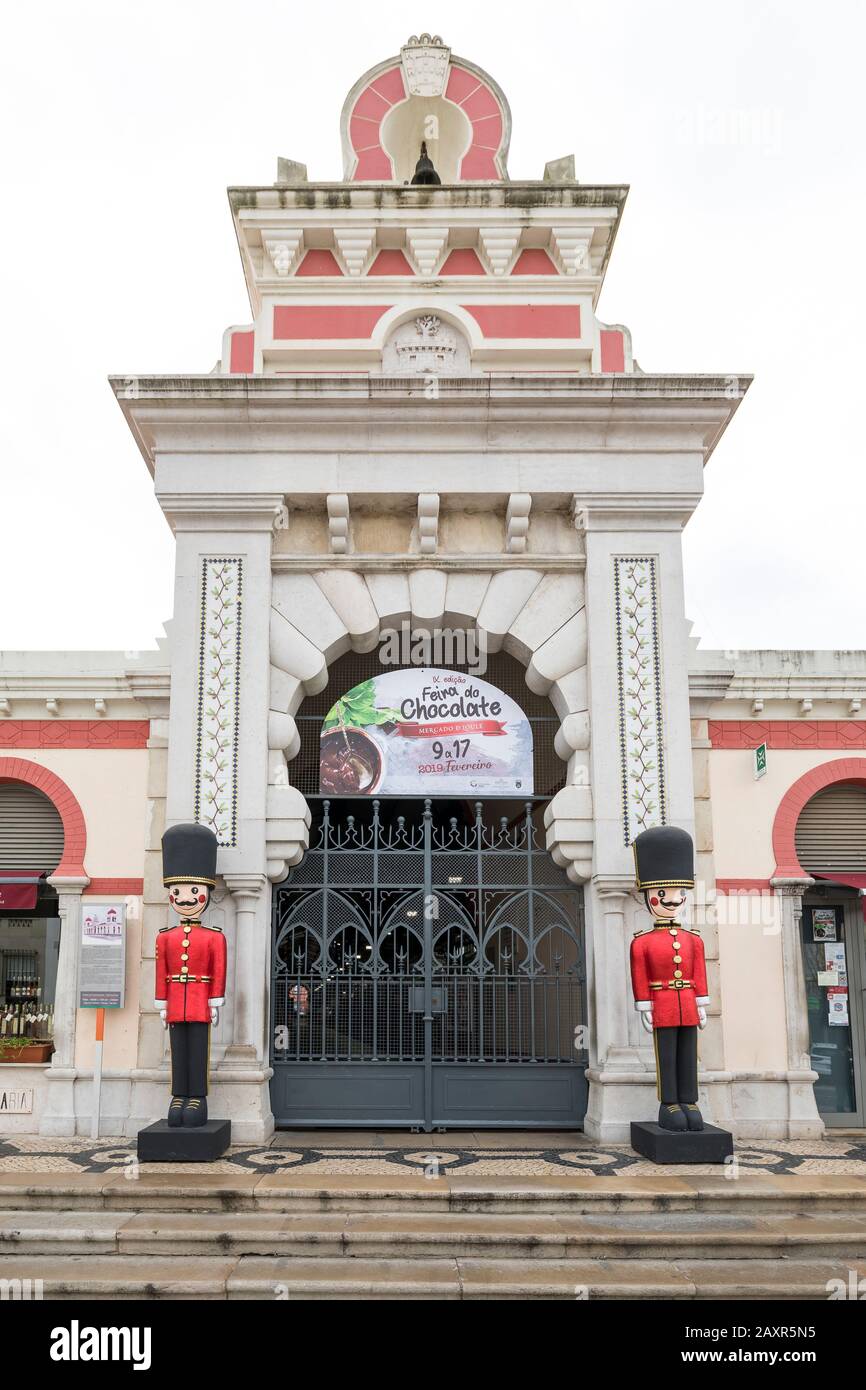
113, 1277
290, 1193
428, 1235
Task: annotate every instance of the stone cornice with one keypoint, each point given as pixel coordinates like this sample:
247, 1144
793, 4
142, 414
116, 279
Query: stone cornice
780, 686
657, 414
526, 196
59, 685
542, 389
284, 564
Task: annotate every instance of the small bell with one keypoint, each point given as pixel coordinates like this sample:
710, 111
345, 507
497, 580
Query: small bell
424, 171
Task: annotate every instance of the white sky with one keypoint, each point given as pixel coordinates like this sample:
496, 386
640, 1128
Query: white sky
738, 126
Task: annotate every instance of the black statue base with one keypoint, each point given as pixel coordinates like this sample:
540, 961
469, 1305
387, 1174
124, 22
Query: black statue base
707, 1145
161, 1143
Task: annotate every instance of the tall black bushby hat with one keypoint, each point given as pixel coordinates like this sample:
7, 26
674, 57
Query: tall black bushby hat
189, 855
664, 857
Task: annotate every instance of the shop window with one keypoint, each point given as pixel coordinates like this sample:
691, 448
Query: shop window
31, 847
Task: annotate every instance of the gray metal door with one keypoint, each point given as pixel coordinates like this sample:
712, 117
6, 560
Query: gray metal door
428, 972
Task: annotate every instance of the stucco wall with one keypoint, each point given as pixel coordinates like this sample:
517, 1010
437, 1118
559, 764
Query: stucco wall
744, 809
750, 963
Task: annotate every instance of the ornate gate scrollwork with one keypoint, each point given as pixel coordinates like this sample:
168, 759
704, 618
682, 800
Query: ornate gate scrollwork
425, 938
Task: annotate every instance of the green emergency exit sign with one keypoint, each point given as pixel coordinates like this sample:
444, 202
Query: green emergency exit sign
760, 760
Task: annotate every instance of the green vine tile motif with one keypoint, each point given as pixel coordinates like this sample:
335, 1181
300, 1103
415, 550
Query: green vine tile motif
216, 757
641, 716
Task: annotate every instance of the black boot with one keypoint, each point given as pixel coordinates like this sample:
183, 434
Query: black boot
694, 1118
670, 1117
175, 1111
195, 1113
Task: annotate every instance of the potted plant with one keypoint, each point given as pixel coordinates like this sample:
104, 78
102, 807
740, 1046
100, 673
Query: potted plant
26, 1049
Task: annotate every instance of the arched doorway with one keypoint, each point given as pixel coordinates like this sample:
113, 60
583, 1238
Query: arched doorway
830, 844
428, 955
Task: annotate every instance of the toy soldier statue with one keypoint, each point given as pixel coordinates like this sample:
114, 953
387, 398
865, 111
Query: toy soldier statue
669, 973
190, 969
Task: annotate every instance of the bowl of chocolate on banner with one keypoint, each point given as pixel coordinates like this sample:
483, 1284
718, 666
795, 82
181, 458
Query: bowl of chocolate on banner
350, 763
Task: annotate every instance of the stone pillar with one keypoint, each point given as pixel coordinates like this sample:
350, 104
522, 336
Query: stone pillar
218, 749
640, 758
619, 1055
246, 1047
804, 1121
58, 1116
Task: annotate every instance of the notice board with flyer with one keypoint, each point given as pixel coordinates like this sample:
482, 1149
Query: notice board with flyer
102, 956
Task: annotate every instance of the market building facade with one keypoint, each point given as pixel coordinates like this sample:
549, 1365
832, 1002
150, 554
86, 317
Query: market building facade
428, 675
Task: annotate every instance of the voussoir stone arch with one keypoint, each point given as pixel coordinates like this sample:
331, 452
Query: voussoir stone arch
537, 618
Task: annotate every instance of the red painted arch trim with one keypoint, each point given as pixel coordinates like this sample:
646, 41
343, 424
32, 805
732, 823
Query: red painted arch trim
795, 798
74, 828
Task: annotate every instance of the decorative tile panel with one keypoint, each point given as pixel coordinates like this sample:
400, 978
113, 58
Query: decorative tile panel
639, 690
216, 758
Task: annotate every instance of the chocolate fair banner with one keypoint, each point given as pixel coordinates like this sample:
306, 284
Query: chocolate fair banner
424, 732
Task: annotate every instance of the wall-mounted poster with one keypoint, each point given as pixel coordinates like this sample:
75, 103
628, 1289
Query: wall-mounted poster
426, 732
824, 924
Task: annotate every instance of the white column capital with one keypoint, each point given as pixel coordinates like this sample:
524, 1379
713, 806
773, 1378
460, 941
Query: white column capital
613, 886
73, 886
791, 887
244, 885
633, 511
221, 512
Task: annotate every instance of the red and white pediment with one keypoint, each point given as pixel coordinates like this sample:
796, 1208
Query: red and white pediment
425, 94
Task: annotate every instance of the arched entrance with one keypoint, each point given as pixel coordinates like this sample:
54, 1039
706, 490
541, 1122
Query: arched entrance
428, 955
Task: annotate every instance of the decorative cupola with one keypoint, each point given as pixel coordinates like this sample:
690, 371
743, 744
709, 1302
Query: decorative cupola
428, 258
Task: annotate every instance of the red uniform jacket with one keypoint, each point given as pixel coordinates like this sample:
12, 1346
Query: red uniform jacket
673, 987
190, 972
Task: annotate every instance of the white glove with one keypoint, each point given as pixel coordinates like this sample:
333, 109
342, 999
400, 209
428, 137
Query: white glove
702, 1016
646, 1018
214, 1017
162, 1018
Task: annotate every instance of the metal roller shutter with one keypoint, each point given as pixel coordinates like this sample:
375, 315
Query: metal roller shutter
831, 831
31, 831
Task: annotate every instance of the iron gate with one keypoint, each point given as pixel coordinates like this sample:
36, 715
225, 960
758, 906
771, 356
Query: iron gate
428, 972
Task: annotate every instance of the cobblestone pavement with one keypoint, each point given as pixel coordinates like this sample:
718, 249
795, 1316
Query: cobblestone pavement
497, 1154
